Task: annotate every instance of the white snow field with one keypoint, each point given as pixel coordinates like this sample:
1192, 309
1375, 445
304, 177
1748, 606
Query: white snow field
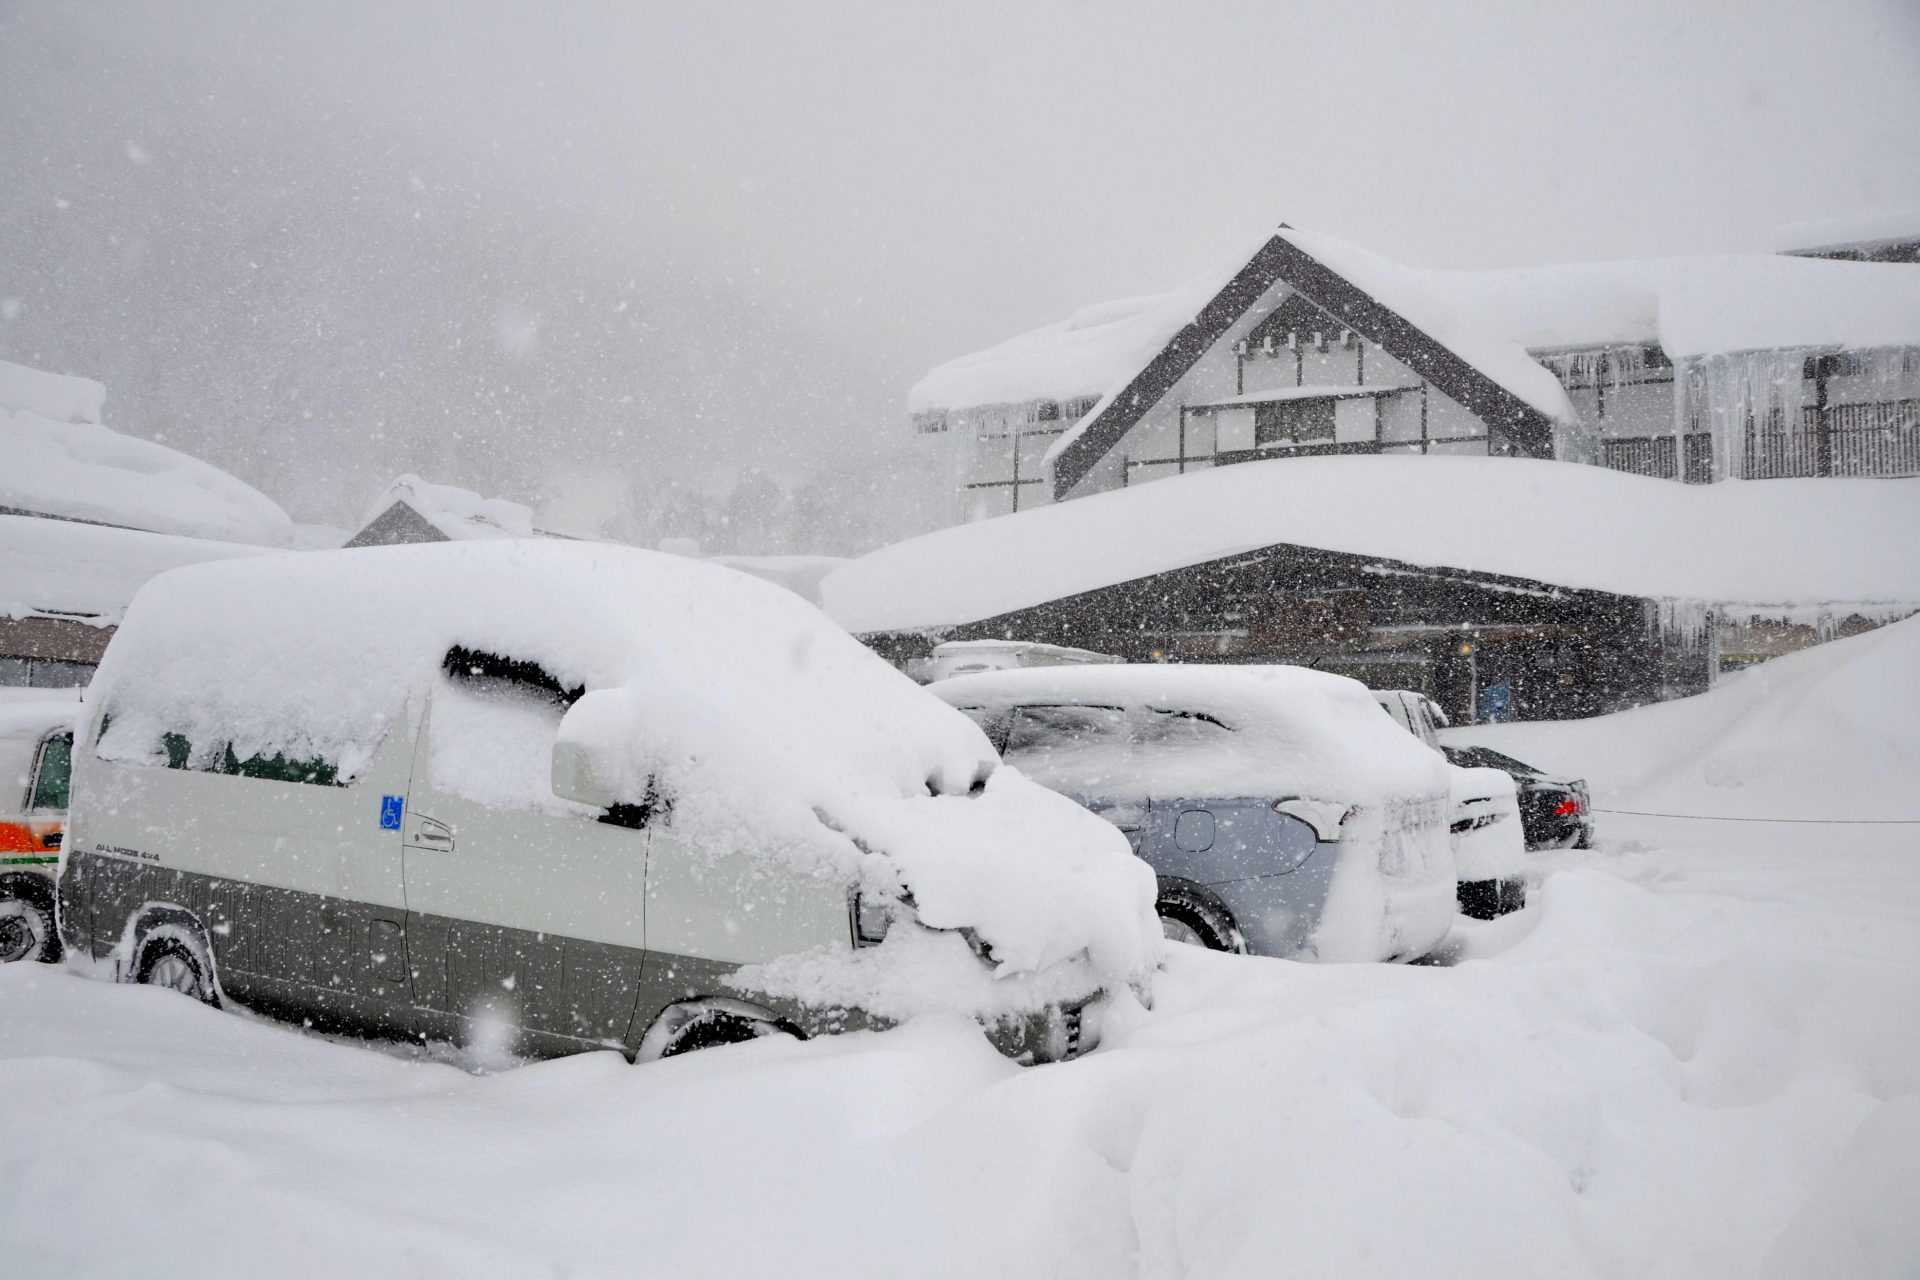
1697, 1054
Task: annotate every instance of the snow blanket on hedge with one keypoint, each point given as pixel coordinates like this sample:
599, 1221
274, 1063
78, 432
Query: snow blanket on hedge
84, 471
774, 733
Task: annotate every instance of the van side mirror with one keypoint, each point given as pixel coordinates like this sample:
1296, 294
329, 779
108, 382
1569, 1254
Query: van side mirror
577, 777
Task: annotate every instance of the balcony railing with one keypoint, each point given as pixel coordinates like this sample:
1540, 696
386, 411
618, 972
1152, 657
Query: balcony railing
1881, 439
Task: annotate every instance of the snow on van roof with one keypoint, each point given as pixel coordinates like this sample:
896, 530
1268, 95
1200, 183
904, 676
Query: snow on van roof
1759, 543
62, 567
1292, 731
771, 730
84, 471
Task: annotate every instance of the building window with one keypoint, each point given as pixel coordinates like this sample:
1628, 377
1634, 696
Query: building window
1293, 422
44, 673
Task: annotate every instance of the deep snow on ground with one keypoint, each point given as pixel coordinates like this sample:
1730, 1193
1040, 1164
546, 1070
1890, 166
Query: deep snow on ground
1695, 1055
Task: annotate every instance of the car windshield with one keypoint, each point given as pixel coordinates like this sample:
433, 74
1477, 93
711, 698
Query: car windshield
1488, 758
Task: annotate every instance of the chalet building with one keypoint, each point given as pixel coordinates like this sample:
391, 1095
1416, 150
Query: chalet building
1694, 369
1537, 591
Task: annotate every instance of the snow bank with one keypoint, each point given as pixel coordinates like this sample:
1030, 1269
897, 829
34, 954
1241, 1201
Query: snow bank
773, 732
1829, 732
83, 471
1775, 543
458, 513
89, 571
54, 396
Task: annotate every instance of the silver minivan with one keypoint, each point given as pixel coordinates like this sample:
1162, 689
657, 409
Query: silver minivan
560, 796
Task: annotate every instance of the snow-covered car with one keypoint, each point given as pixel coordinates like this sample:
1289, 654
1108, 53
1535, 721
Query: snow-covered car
1555, 812
36, 745
1280, 813
559, 796
1489, 846
971, 657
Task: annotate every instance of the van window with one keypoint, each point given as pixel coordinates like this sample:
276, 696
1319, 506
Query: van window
492, 733
52, 774
278, 767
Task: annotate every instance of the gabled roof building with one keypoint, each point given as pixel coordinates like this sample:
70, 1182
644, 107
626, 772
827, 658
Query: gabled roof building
1693, 369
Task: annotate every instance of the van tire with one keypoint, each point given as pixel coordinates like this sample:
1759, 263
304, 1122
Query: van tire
172, 963
26, 931
1189, 917
712, 1028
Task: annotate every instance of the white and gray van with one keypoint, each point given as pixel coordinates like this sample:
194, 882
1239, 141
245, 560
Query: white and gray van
565, 796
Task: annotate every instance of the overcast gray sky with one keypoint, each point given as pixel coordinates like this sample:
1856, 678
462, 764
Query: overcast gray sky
506, 245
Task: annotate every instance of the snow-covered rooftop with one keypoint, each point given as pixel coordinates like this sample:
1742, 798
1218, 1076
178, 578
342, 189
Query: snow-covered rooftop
1695, 306
84, 471
1425, 300
1084, 355
1762, 543
65, 568
458, 513
1700, 306
1889, 226
57, 397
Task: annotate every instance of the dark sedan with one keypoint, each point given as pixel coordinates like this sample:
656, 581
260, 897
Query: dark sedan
1555, 813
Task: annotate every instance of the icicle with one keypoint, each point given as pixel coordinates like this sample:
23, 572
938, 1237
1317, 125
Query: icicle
1758, 389
1684, 622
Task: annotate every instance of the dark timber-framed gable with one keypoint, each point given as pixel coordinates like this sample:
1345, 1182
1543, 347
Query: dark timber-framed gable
1511, 421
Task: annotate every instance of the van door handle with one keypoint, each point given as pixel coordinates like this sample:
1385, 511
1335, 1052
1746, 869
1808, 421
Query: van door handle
431, 833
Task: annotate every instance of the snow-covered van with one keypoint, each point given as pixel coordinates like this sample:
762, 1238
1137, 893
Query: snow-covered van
36, 742
1280, 813
1489, 843
559, 796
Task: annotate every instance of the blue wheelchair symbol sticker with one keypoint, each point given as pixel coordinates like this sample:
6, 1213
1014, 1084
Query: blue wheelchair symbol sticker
391, 807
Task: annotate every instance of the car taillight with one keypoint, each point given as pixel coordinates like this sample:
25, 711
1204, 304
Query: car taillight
1566, 808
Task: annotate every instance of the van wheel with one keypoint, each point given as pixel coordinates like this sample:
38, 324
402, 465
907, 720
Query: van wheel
171, 963
26, 931
1185, 917
715, 1027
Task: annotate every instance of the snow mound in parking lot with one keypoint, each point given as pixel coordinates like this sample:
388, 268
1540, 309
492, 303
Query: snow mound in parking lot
770, 730
1829, 732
